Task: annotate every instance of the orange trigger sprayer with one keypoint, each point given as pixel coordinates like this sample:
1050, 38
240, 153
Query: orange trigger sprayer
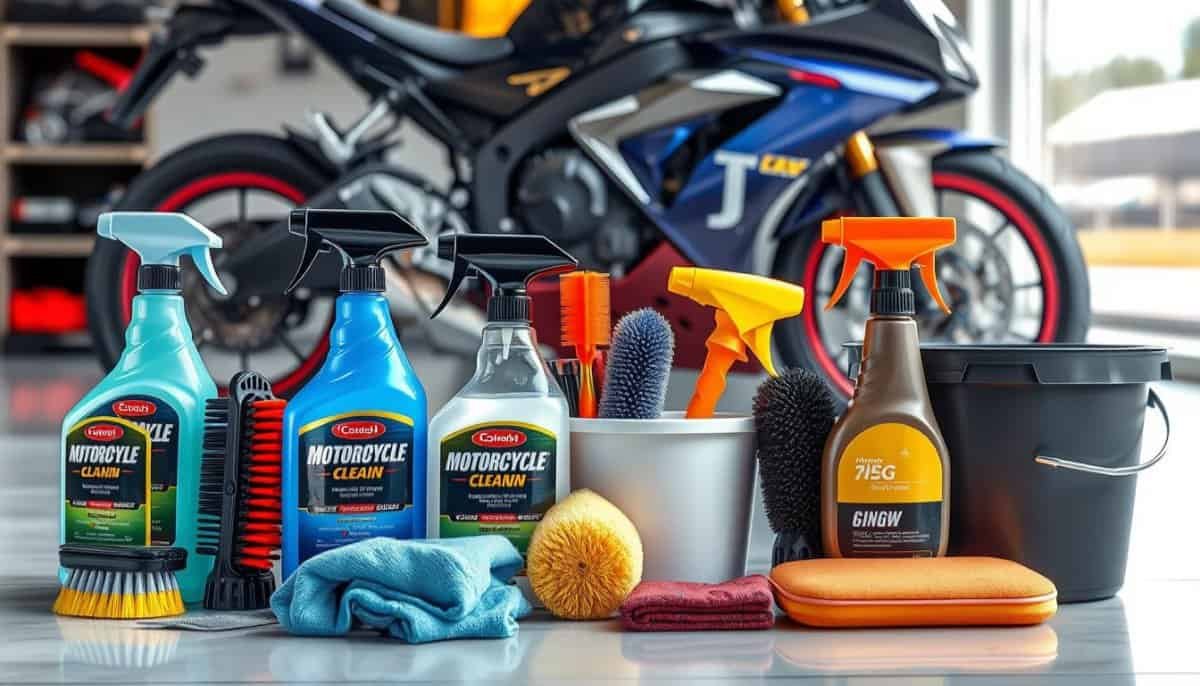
891, 244
747, 307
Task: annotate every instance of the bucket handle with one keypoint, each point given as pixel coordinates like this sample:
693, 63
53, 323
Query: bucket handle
1155, 402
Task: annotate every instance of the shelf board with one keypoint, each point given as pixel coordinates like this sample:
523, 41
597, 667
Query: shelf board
72, 35
62, 245
77, 154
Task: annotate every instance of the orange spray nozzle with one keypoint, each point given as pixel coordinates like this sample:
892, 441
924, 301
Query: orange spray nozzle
891, 243
747, 308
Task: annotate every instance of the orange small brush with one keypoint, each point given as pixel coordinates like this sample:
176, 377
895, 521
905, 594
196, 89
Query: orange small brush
586, 327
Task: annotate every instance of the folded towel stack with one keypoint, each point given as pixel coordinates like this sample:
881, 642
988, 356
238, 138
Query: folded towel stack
744, 603
416, 591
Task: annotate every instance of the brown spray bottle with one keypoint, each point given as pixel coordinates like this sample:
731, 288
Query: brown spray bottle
885, 477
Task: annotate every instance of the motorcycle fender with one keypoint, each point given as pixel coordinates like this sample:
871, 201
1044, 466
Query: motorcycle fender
906, 159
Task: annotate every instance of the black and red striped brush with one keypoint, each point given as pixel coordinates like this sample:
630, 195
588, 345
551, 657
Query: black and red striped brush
240, 481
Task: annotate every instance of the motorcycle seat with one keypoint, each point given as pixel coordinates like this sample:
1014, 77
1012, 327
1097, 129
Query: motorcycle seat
447, 47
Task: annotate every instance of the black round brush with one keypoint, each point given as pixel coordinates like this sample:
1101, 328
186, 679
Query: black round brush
793, 415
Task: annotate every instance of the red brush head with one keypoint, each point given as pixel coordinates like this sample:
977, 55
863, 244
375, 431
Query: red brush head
586, 313
260, 522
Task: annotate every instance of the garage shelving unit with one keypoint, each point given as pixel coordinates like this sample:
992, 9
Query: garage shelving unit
32, 259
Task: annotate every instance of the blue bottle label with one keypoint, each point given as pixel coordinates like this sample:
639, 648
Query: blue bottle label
355, 479
160, 421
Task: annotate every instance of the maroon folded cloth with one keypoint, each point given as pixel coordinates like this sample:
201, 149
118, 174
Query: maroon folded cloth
745, 603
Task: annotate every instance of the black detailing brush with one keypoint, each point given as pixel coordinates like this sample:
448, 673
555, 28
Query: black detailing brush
567, 374
639, 366
240, 520
793, 415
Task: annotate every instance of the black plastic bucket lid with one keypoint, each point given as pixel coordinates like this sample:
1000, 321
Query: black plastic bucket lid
1038, 363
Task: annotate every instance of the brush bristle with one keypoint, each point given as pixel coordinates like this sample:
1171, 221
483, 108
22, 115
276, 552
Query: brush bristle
639, 367
586, 310
101, 594
259, 505
212, 475
793, 415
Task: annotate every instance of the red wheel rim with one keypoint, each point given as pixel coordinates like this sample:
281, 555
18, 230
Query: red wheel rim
200, 188
989, 195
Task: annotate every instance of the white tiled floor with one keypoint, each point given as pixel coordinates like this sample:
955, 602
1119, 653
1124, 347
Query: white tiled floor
1146, 635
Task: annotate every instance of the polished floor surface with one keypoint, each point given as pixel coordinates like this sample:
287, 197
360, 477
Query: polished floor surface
1145, 635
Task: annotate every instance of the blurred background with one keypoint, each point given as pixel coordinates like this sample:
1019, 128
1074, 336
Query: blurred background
1096, 100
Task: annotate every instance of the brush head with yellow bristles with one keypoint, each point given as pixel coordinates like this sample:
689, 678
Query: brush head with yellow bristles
120, 582
585, 557
586, 312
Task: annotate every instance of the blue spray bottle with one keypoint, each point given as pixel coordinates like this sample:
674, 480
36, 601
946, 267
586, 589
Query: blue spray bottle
354, 436
131, 447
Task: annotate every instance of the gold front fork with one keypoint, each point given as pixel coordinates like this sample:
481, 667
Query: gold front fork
860, 155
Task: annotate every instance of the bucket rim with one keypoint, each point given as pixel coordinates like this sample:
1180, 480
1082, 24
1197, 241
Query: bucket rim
672, 422
1037, 363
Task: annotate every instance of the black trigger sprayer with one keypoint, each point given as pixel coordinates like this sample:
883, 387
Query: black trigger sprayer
508, 263
361, 238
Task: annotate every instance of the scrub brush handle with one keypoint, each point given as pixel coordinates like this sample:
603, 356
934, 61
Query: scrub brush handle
587, 392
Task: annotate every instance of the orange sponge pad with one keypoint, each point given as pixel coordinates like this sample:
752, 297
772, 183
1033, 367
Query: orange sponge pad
939, 591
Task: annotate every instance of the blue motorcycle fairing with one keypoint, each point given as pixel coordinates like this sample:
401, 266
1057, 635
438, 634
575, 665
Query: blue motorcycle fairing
742, 178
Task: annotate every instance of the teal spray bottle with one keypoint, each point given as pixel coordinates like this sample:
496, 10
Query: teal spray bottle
499, 450
131, 447
354, 436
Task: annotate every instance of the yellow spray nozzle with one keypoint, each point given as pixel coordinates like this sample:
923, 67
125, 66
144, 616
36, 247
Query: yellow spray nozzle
891, 243
753, 303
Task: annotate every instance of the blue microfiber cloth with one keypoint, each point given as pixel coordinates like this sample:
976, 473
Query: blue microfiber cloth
416, 591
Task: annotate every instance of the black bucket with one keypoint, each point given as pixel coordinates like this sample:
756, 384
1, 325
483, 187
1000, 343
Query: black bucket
1045, 443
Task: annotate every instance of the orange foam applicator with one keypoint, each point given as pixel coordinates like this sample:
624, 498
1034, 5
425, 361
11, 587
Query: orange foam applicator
586, 327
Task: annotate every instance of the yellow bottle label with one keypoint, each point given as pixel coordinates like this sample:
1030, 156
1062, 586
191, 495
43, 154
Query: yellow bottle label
890, 489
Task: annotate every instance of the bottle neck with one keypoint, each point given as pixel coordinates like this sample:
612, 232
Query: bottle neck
509, 361
891, 358
362, 329
157, 325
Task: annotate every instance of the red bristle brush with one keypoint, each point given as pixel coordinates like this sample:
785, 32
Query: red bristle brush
586, 327
240, 522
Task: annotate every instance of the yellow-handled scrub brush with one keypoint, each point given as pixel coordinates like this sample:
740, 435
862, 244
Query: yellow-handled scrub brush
119, 582
585, 557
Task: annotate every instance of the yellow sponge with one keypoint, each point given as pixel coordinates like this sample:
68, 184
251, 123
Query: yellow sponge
585, 557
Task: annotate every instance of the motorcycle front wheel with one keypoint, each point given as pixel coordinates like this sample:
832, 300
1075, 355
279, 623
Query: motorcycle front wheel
236, 185
1016, 274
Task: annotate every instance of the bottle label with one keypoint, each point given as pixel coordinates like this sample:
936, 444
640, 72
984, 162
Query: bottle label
356, 474
497, 478
160, 421
890, 494
107, 483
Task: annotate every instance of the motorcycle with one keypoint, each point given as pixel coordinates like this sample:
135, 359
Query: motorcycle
639, 135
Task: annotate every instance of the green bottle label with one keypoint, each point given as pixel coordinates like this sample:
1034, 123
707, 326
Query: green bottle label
107, 483
497, 478
160, 421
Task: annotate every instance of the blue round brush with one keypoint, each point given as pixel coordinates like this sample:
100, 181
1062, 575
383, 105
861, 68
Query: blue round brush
639, 366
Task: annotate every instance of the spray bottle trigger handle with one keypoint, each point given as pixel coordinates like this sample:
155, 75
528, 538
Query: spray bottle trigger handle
462, 269
929, 278
853, 258
202, 258
759, 341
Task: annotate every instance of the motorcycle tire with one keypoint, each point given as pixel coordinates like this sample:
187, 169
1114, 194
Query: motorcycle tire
994, 181
257, 162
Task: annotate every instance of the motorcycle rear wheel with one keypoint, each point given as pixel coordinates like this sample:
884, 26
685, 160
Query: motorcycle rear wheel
258, 172
1001, 205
